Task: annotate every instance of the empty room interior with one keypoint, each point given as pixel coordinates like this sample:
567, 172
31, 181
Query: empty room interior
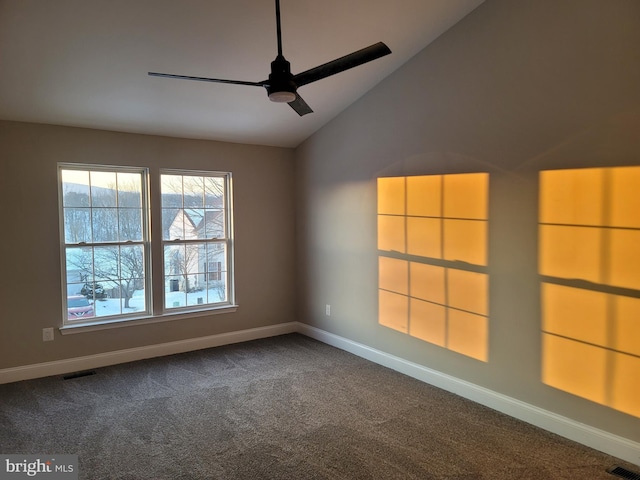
464, 211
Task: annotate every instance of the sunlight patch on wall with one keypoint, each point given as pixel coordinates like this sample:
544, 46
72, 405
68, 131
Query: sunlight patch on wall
432, 244
589, 258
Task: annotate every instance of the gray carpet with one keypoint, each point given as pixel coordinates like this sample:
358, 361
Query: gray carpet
281, 408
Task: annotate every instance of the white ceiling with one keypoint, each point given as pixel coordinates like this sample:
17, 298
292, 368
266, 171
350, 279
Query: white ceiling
85, 62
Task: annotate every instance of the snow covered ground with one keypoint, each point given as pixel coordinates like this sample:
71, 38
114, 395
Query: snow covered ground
115, 306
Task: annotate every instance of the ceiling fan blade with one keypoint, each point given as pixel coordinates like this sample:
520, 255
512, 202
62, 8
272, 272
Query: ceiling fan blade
300, 106
205, 79
341, 64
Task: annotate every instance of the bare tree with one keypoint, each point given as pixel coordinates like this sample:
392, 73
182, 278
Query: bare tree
119, 267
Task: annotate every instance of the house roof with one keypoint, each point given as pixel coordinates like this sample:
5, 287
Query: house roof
198, 218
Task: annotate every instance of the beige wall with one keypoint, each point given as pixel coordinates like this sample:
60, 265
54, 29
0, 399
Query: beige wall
30, 283
515, 88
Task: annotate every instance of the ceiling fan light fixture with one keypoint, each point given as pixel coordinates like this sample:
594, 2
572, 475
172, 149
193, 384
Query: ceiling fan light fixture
282, 97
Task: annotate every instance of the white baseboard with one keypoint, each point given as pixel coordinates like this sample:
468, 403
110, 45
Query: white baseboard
601, 440
60, 367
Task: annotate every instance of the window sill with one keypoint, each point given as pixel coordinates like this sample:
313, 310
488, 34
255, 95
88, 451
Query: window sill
130, 322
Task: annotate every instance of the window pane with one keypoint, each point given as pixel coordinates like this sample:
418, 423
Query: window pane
78, 269
213, 224
194, 221
182, 224
122, 299
104, 223
129, 190
216, 284
174, 296
77, 225
132, 270
197, 297
79, 308
130, 224
75, 188
136, 303
181, 259
103, 189
107, 264
170, 222
214, 192
171, 190
172, 255
193, 191
79, 265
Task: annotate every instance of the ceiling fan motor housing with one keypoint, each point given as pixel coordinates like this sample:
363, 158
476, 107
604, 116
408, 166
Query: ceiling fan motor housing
281, 87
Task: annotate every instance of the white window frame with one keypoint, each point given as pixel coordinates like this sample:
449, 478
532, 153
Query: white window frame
227, 240
145, 243
153, 249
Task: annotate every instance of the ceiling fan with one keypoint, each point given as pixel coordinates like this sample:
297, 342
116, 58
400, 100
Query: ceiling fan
282, 86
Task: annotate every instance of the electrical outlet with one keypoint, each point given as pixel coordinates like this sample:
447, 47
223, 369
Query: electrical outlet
327, 310
47, 334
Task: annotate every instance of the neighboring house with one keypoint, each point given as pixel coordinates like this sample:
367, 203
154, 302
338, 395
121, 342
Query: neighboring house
190, 267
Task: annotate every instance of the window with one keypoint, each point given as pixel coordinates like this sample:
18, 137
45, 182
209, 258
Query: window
107, 247
195, 239
104, 218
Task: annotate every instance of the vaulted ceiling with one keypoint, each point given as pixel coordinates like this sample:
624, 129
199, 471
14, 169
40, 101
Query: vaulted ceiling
85, 62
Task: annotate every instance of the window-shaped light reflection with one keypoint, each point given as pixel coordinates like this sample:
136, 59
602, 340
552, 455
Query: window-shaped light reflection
424, 236
432, 242
575, 313
465, 240
468, 291
570, 252
625, 201
392, 233
428, 322
392, 196
427, 282
574, 367
394, 275
624, 255
590, 256
468, 334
